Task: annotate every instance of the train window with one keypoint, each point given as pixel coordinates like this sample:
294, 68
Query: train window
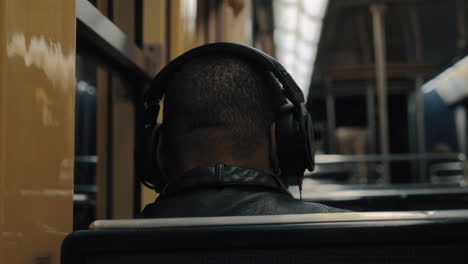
389, 109
85, 141
109, 82
106, 106
389, 118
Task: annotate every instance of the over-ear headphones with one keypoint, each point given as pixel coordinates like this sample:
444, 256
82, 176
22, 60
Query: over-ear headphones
294, 133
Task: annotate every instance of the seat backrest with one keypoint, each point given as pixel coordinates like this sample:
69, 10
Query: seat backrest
406, 237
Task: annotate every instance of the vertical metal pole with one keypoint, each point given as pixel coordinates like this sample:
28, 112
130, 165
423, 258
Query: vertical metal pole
331, 118
381, 76
419, 96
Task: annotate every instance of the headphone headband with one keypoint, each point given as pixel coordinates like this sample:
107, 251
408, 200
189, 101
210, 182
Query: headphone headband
289, 87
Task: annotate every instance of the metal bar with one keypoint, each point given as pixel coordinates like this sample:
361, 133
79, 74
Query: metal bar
86, 159
80, 197
367, 71
359, 89
419, 94
339, 159
279, 219
85, 188
370, 94
311, 195
110, 40
381, 77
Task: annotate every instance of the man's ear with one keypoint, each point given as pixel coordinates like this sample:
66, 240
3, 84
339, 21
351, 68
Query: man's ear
274, 162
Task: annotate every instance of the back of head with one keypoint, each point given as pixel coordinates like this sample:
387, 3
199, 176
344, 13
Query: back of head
217, 108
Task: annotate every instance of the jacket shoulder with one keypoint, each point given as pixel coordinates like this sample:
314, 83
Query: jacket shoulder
279, 203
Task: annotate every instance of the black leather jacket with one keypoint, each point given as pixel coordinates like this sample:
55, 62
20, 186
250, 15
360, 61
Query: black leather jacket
224, 190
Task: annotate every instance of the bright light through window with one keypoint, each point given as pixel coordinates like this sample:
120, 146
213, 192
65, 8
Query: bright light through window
285, 40
310, 29
297, 30
314, 8
286, 19
305, 51
451, 84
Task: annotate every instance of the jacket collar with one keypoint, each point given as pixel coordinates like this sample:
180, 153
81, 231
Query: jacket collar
222, 175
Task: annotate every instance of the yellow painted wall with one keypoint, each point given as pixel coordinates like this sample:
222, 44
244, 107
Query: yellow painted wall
124, 17
37, 75
237, 27
123, 122
154, 21
123, 145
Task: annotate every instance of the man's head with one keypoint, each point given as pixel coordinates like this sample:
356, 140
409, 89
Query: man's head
218, 109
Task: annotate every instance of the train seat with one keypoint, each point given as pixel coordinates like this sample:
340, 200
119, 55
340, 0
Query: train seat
383, 237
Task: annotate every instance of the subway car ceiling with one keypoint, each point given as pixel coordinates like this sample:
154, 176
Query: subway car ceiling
421, 38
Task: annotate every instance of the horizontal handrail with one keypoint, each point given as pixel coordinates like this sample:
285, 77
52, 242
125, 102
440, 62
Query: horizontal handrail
336, 159
278, 219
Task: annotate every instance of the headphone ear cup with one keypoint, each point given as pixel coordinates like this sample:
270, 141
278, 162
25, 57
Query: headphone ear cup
310, 142
294, 138
153, 175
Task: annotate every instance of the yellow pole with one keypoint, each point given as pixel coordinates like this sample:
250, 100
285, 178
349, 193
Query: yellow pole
37, 75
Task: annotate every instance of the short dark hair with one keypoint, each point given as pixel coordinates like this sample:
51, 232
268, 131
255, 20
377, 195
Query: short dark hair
218, 92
